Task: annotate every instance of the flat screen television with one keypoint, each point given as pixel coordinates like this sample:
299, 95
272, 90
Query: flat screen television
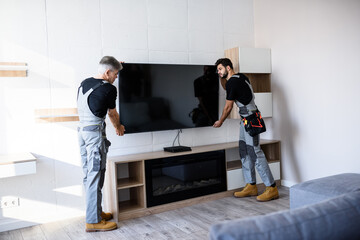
157, 97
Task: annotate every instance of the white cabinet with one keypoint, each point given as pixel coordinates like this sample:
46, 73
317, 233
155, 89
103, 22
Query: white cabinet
264, 103
255, 63
17, 165
235, 179
254, 60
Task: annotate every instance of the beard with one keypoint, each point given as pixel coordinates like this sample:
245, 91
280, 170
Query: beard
225, 74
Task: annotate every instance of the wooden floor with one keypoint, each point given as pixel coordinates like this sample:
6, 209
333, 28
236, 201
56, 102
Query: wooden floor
185, 223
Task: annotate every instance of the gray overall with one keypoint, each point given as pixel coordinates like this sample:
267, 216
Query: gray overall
93, 149
249, 148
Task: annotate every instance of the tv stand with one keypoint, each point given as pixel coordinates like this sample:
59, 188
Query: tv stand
175, 149
125, 184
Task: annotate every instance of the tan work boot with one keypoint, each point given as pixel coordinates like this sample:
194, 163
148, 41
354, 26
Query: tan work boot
249, 190
106, 216
102, 226
270, 193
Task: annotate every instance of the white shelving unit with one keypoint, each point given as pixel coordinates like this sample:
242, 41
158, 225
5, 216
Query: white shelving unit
17, 164
255, 63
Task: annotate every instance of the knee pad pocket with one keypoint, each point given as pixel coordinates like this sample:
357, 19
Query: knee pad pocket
251, 152
96, 160
242, 149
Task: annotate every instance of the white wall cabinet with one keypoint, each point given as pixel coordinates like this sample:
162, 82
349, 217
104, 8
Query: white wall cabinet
254, 60
17, 165
264, 103
255, 63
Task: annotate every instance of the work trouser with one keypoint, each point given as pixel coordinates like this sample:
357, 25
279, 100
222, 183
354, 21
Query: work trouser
252, 155
93, 149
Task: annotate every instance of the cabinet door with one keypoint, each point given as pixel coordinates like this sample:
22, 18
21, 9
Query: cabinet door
264, 103
275, 170
255, 60
235, 179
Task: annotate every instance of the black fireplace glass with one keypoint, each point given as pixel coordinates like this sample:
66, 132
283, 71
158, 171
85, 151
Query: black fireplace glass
182, 177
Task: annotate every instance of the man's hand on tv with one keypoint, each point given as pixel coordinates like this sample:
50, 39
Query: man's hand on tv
217, 124
120, 131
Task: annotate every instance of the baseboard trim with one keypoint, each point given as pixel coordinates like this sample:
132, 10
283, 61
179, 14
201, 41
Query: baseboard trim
287, 183
16, 224
8, 224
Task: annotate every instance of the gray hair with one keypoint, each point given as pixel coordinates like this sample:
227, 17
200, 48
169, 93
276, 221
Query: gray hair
109, 62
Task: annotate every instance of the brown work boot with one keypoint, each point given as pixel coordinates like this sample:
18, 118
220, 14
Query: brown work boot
102, 226
249, 190
270, 193
106, 216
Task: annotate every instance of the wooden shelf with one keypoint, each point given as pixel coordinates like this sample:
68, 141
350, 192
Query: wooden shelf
272, 151
260, 82
129, 206
136, 199
231, 165
50, 115
128, 183
13, 69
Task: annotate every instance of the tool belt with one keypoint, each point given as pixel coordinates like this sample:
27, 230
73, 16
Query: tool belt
254, 124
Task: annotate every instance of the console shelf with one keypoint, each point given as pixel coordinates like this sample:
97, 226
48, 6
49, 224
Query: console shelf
129, 182
125, 194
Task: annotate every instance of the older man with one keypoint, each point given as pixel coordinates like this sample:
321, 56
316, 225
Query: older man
96, 98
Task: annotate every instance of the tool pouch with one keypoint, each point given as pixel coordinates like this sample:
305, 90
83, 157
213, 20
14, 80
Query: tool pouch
254, 124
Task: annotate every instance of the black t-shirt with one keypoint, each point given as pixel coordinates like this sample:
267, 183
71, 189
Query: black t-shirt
238, 89
102, 98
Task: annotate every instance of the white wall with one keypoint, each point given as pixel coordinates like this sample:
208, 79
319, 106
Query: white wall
62, 42
315, 49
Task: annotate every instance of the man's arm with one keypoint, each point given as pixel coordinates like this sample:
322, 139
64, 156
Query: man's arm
227, 109
115, 120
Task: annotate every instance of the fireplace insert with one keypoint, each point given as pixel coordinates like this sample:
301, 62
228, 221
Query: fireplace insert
178, 178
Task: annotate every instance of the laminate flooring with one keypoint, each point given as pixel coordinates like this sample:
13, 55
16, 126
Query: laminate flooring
188, 223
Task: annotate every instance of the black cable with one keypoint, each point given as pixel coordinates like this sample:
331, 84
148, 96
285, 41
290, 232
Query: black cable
177, 137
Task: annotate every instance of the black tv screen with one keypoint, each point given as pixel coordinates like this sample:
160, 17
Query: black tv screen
156, 97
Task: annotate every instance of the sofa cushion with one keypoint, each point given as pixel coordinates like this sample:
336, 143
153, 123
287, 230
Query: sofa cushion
318, 190
335, 218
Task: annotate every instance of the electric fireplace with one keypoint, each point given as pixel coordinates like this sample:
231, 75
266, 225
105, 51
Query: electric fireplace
178, 178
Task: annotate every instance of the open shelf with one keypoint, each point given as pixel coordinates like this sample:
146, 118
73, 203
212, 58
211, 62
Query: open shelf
231, 165
128, 182
260, 82
129, 206
130, 174
134, 199
272, 151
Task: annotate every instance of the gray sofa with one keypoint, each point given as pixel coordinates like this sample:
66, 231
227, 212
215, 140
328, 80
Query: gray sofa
324, 208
